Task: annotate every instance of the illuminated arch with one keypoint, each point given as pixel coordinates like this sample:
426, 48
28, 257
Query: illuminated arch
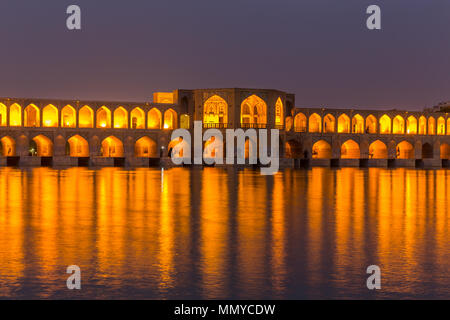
68, 117
427, 151
50, 116
44, 146
405, 150
343, 123
120, 118
358, 124
3, 115
86, 117
32, 116
145, 147
398, 125
445, 151
411, 125
329, 122
112, 147
279, 115
385, 124
137, 118
15, 115
215, 110
378, 150
170, 119
350, 150
154, 119
253, 111
103, 118
321, 150
315, 123
185, 121
300, 122
441, 126
431, 126
448, 126
371, 124
422, 125
8, 147
79, 147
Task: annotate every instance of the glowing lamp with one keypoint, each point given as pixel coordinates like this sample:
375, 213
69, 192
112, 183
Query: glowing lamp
166, 126
103, 125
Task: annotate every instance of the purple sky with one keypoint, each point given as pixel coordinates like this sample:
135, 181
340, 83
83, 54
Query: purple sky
320, 50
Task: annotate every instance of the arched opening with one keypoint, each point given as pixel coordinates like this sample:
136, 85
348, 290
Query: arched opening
441, 126
112, 147
427, 151
78, 146
103, 118
145, 147
41, 146
358, 124
405, 150
15, 115
50, 116
170, 119
3, 115
371, 124
343, 124
350, 150
422, 125
31, 116
185, 121
329, 123
448, 126
279, 113
293, 149
120, 118
378, 150
86, 117
289, 123
315, 123
137, 118
68, 117
431, 126
321, 150
445, 151
253, 112
154, 119
399, 125
7, 147
385, 124
411, 125
300, 123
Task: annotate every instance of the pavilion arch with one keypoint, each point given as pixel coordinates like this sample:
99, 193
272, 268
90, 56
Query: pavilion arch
146, 147
279, 115
50, 116
185, 121
103, 117
68, 117
120, 118
7, 147
357, 124
411, 125
378, 150
350, 150
329, 123
3, 115
431, 126
154, 119
385, 124
422, 125
427, 151
288, 123
254, 111
343, 123
86, 117
15, 115
41, 146
112, 147
78, 146
405, 150
32, 116
315, 123
170, 119
300, 122
448, 126
398, 125
215, 110
371, 124
445, 151
441, 126
321, 150
293, 149
137, 118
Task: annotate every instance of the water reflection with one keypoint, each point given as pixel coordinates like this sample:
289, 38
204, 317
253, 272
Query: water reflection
222, 233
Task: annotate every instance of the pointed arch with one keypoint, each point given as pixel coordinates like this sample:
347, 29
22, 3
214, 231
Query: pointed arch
86, 117
329, 123
378, 150
427, 151
3, 115
68, 117
350, 150
357, 124
215, 110
253, 111
371, 124
78, 146
154, 119
112, 147
422, 125
103, 117
300, 122
170, 119
145, 147
279, 114
321, 150
43, 146
315, 123
343, 123
385, 124
431, 126
15, 115
441, 126
405, 150
50, 116
448, 126
137, 118
120, 118
185, 121
32, 116
411, 125
398, 125
8, 147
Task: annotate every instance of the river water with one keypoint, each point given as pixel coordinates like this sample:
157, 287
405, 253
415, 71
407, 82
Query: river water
217, 233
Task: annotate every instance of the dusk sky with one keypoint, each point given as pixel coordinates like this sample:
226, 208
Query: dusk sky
320, 50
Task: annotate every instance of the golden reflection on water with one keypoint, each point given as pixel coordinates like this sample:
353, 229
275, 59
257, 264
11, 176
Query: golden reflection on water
222, 233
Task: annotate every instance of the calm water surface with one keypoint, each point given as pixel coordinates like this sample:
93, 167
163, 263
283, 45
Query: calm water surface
221, 233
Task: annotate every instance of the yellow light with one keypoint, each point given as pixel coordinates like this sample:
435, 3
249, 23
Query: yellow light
103, 125
48, 122
166, 126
